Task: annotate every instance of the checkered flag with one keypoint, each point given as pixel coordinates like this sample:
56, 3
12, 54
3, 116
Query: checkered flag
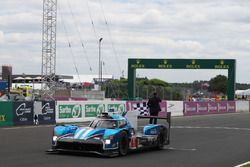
141, 108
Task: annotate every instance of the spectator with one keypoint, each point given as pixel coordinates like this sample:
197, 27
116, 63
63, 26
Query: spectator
35, 119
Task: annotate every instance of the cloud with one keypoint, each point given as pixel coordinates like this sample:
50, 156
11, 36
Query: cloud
1, 37
134, 29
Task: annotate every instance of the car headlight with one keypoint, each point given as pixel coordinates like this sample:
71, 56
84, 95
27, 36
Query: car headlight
54, 138
107, 141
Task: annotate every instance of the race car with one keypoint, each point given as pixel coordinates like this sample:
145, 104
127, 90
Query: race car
110, 136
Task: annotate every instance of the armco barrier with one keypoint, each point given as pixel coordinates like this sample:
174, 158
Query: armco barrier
242, 106
23, 112
6, 114
204, 108
79, 111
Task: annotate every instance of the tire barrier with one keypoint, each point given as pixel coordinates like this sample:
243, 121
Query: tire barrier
205, 108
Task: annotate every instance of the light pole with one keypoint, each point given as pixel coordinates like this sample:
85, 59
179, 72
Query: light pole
100, 62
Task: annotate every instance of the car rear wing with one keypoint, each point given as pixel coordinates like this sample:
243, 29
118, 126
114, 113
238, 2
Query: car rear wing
167, 117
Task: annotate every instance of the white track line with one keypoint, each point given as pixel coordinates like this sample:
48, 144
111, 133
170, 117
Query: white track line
244, 164
182, 149
209, 127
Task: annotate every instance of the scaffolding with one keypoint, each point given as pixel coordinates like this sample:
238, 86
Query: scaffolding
49, 47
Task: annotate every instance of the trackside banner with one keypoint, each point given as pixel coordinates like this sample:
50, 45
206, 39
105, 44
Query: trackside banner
92, 110
48, 112
79, 111
204, 108
175, 107
23, 113
6, 114
69, 111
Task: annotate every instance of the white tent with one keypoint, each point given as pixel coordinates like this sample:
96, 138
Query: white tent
239, 92
247, 92
84, 78
243, 92
19, 78
38, 78
28, 78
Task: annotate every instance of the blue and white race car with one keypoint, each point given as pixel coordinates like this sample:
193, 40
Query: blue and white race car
110, 136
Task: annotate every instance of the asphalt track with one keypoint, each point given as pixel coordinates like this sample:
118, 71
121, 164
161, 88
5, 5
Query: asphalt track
200, 141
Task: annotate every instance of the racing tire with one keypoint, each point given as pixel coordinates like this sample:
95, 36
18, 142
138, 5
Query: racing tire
161, 139
123, 144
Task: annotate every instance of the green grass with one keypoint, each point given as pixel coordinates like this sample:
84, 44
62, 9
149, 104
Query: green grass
247, 165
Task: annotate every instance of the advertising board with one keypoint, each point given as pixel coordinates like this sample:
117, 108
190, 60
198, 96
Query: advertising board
69, 111
23, 112
204, 108
6, 114
47, 115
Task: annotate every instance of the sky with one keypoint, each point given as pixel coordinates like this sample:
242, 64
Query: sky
194, 29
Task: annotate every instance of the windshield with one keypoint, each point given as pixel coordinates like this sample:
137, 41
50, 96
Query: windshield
109, 124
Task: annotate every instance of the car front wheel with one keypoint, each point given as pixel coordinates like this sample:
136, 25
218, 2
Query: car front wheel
123, 143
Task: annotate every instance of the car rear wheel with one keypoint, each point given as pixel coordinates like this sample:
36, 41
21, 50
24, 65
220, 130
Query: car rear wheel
161, 139
123, 144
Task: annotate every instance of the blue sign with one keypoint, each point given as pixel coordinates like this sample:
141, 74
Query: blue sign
23, 113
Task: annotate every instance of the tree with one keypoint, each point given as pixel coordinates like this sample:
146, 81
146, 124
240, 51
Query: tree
218, 84
144, 89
